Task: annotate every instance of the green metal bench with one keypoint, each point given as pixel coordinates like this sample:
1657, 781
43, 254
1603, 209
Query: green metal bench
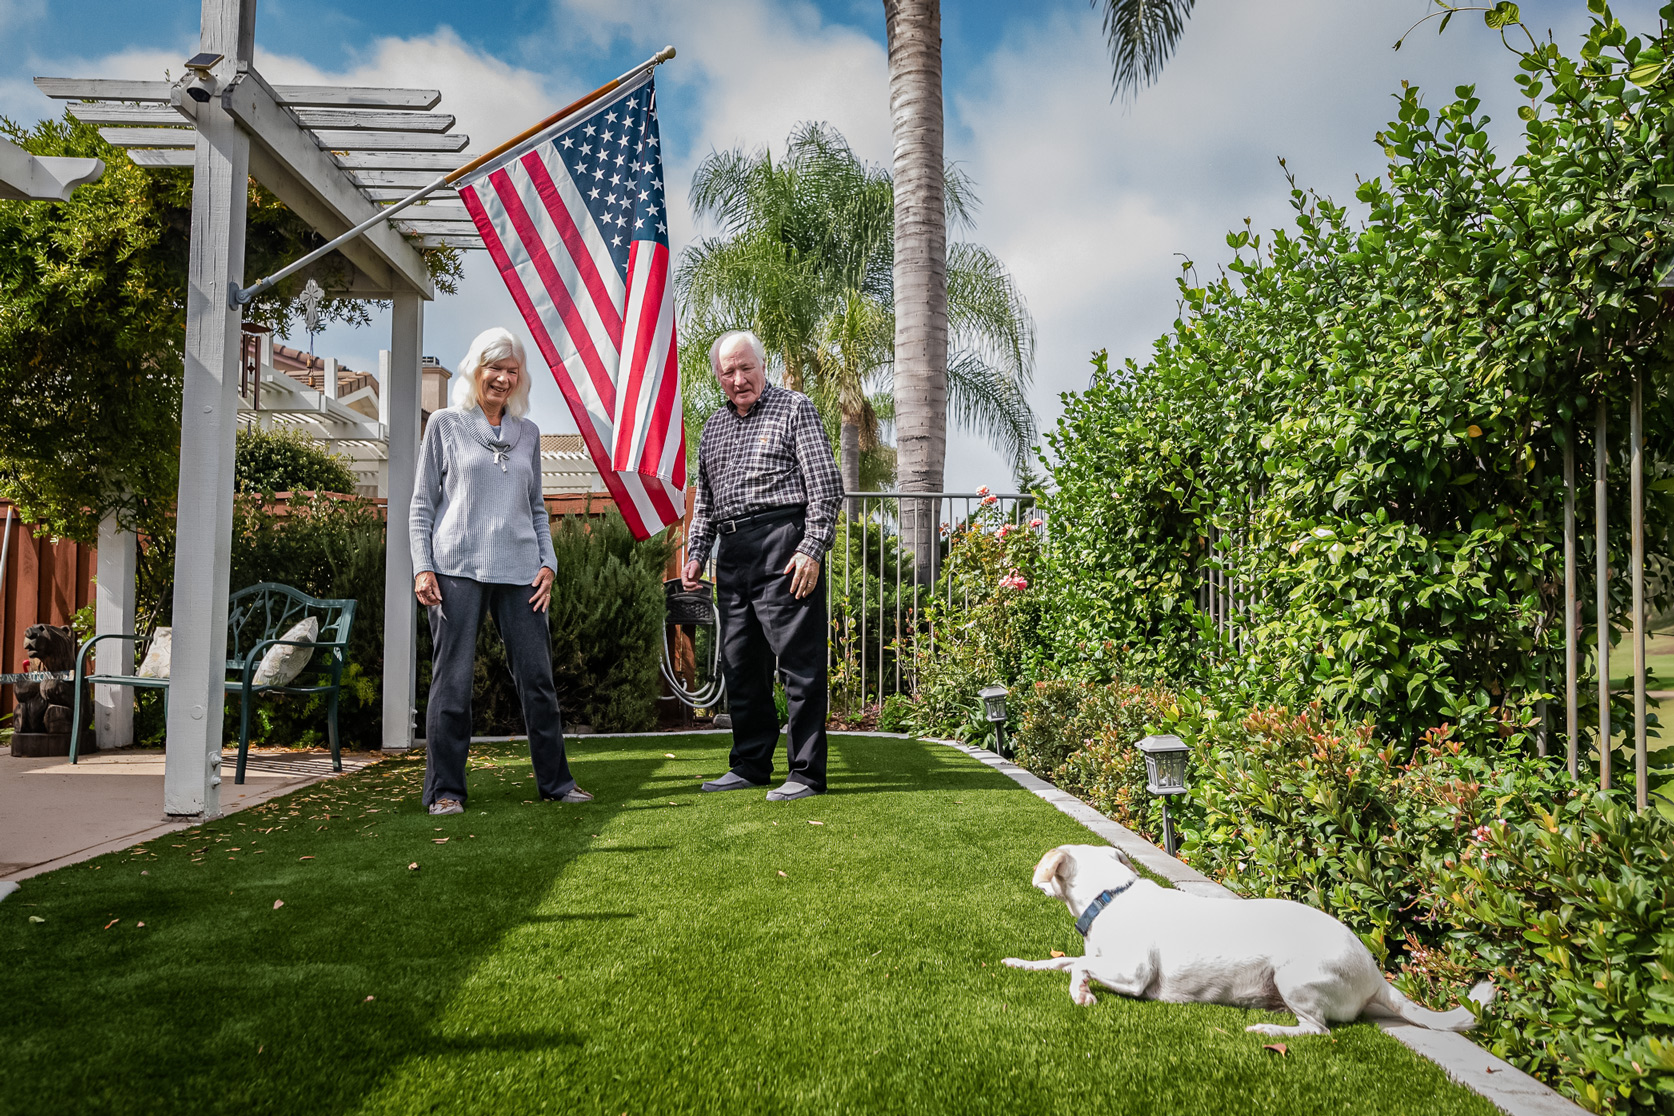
256, 619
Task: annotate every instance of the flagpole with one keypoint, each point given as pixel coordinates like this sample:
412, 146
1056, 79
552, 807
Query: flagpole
238, 297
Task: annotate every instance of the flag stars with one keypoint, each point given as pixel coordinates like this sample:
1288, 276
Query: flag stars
590, 130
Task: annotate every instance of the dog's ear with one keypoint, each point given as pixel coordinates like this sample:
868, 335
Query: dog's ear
1050, 867
1124, 860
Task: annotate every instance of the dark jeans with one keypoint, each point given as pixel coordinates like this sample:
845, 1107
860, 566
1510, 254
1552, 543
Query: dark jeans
447, 721
760, 619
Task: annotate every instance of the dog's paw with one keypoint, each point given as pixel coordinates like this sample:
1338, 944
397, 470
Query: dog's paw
1268, 1029
1084, 996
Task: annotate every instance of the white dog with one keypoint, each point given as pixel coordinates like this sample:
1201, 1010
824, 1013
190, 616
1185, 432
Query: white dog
1154, 943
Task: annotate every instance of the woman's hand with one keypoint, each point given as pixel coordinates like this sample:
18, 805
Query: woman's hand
427, 589
543, 589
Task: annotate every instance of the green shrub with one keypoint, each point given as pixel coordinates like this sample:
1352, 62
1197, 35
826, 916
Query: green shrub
1370, 415
895, 714
286, 460
1568, 909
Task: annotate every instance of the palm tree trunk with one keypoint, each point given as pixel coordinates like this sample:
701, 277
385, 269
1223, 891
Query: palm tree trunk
914, 32
850, 463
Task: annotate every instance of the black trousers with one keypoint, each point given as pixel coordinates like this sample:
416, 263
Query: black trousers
760, 620
447, 721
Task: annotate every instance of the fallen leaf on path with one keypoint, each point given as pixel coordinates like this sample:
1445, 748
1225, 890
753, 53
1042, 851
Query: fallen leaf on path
277, 903
112, 922
813, 822
305, 858
36, 918
368, 999
1057, 953
140, 926
413, 867
438, 840
1277, 1047
783, 874
670, 755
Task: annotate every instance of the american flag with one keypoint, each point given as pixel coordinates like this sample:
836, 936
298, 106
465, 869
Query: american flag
574, 219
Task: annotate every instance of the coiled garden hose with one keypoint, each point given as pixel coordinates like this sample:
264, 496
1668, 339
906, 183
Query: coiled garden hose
693, 606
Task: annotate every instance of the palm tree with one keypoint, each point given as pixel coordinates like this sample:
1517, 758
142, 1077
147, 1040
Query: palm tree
805, 257
1142, 35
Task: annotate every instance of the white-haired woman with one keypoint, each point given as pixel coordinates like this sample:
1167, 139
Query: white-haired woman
481, 542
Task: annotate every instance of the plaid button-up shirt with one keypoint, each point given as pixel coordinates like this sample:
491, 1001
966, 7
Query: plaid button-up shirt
775, 456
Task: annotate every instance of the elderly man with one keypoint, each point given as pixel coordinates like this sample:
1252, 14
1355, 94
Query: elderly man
768, 490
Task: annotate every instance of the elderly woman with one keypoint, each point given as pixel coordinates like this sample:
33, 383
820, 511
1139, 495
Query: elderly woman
482, 543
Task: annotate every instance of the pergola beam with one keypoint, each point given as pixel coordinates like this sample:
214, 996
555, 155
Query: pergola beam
26, 177
401, 160
370, 140
310, 96
285, 159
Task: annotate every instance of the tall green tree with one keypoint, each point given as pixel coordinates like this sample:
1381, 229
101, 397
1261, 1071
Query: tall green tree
92, 324
805, 255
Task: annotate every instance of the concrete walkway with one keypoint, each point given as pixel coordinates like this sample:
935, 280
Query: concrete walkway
53, 813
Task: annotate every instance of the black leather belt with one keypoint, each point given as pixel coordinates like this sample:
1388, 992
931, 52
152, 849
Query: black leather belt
785, 514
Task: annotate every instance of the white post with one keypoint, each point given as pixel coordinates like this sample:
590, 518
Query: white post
400, 375
329, 382
113, 706
208, 421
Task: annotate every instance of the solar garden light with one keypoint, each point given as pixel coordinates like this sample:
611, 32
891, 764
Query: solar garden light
1165, 776
994, 706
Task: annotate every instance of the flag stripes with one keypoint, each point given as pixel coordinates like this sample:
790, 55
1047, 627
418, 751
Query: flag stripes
574, 222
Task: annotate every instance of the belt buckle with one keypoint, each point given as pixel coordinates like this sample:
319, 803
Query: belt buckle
726, 526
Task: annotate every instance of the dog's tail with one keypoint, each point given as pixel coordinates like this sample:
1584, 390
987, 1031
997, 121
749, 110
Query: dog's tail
1391, 1001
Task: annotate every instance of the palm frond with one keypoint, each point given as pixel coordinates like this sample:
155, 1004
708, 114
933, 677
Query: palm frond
986, 312
1142, 35
989, 403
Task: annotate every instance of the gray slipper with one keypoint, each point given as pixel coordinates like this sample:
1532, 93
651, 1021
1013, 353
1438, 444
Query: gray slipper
730, 781
574, 794
790, 792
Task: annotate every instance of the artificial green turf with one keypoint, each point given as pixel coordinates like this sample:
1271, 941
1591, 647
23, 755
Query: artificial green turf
656, 951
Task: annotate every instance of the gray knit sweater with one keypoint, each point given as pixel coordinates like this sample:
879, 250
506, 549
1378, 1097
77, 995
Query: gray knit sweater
477, 507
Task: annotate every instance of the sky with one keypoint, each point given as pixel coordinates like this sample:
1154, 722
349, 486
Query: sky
1093, 203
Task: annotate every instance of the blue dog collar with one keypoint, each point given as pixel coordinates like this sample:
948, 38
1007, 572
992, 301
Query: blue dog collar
1097, 906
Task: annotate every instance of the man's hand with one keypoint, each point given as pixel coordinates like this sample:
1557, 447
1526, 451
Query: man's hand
689, 576
427, 589
805, 574
543, 589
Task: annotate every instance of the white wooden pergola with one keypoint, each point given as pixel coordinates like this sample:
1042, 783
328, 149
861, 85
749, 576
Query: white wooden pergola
332, 154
